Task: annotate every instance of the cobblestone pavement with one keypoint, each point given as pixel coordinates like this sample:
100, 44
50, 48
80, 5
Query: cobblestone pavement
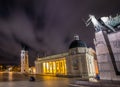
20, 80
79, 83
47, 83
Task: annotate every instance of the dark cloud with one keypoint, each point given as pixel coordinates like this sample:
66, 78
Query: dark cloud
47, 27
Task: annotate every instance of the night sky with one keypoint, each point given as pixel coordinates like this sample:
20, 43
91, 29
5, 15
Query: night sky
47, 27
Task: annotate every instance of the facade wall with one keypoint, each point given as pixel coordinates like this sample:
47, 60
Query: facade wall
51, 66
78, 62
77, 65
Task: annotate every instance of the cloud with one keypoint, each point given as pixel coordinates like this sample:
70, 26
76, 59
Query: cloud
47, 26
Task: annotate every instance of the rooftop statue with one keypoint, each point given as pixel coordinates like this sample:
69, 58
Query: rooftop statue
109, 23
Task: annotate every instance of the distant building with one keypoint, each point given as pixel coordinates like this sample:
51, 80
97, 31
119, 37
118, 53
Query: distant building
78, 61
24, 61
32, 70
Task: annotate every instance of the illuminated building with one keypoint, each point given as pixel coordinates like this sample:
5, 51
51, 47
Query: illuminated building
78, 61
24, 61
32, 70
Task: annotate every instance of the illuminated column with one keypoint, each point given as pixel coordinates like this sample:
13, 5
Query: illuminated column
36, 66
65, 69
24, 61
54, 67
50, 64
44, 67
62, 66
44, 64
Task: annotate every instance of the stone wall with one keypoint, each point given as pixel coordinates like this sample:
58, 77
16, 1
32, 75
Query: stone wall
108, 54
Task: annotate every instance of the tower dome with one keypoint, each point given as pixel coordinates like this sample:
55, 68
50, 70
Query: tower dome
77, 43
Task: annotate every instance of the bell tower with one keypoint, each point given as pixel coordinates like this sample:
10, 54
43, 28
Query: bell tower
24, 61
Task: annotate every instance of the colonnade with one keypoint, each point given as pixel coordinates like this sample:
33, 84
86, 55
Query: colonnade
54, 67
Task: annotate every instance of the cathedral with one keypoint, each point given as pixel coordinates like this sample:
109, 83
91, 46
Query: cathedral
78, 61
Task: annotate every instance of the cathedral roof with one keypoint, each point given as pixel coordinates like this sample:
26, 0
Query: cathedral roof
77, 43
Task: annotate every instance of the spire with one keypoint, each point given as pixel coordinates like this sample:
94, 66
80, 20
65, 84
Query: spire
76, 37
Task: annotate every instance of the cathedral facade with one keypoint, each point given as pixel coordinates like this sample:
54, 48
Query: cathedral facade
78, 61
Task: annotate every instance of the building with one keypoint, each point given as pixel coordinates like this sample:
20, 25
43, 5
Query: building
24, 61
32, 70
78, 61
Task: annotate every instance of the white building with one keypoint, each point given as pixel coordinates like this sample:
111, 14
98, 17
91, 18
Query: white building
78, 61
24, 61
